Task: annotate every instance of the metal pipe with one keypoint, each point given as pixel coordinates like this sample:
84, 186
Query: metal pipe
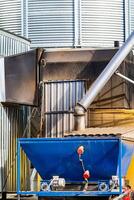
124, 77
103, 78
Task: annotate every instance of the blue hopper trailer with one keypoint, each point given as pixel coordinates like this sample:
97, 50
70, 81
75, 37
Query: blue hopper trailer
77, 166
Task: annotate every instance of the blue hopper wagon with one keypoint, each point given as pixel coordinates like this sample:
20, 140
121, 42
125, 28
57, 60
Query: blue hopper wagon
62, 167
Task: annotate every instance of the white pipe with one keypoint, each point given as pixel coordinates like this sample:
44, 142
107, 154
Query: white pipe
124, 77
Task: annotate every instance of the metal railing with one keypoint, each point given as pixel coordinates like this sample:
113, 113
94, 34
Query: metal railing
12, 44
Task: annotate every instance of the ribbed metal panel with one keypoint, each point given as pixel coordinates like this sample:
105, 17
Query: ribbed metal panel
12, 124
56, 23
131, 15
51, 23
11, 44
60, 100
10, 15
102, 22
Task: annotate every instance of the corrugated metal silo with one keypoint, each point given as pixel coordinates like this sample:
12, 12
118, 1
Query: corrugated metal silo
85, 23
10, 15
102, 22
68, 23
51, 23
131, 15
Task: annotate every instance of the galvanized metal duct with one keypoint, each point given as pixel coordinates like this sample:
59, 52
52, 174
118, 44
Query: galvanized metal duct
101, 81
102, 22
10, 15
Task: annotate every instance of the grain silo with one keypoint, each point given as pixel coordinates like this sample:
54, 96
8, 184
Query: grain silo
69, 23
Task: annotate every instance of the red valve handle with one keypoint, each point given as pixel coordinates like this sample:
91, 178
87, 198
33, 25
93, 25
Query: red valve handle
86, 174
80, 150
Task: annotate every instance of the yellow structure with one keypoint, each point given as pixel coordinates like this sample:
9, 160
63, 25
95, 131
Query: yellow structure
130, 173
111, 117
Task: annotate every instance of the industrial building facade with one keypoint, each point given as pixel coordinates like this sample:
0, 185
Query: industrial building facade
64, 23
69, 23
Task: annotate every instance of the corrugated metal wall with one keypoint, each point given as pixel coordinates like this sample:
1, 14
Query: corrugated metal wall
60, 100
102, 22
11, 44
12, 124
131, 10
10, 15
51, 23
12, 121
56, 23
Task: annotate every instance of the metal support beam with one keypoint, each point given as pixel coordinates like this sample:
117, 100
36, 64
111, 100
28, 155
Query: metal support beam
124, 77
